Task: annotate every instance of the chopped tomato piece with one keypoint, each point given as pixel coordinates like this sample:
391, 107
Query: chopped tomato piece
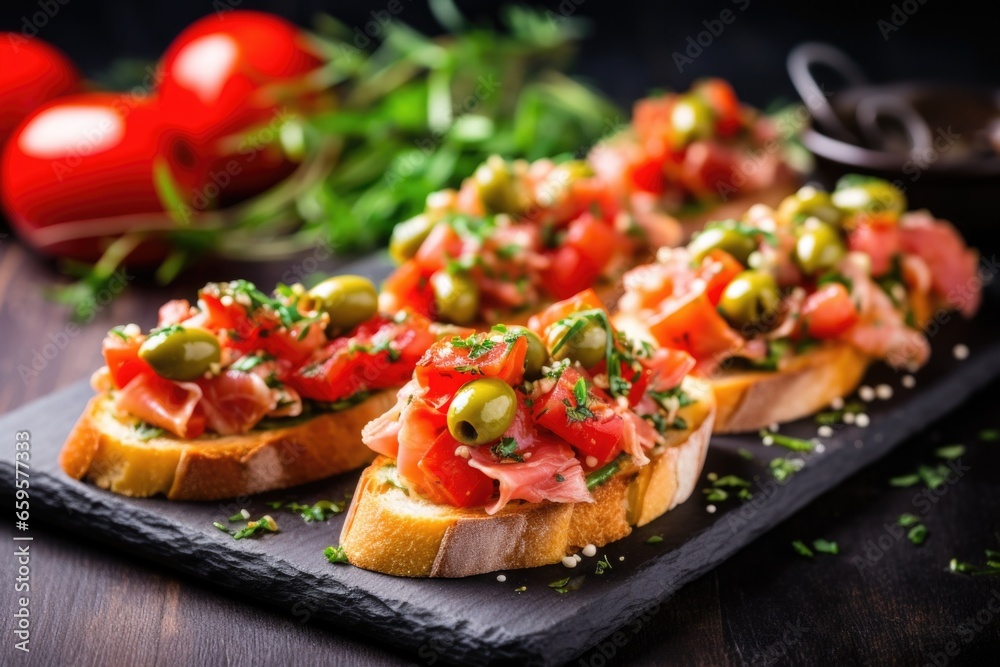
667, 368
122, 358
408, 288
569, 272
879, 239
692, 324
447, 365
443, 243
585, 300
595, 239
829, 311
594, 429
450, 479
718, 270
721, 97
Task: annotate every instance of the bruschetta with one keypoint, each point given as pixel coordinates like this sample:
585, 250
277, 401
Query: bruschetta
244, 392
785, 308
515, 448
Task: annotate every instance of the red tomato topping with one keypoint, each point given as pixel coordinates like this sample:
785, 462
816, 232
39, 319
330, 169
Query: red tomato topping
445, 368
585, 300
122, 358
829, 311
718, 270
449, 479
593, 428
692, 324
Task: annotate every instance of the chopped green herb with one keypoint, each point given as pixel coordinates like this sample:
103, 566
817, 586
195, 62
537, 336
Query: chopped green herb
904, 480
782, 469
602, 474
654, 539
335, 554
580, 412
745, 454
667, 398
567, 585
788, 442
145, 431
933, 477
237, 517
120, 332
319, 511
950, 453
506, 449
602, 565
467, 369
907, 520
249, 362
263, 525
221, 527
275, 504
989, 435
477, 345
801, 549
716, 495
520, 589
826, 547
731, 480
917, 534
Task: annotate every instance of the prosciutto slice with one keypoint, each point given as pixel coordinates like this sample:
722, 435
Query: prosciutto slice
235, 401
168, 405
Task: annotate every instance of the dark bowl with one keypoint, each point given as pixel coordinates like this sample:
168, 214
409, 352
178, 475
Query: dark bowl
956, 177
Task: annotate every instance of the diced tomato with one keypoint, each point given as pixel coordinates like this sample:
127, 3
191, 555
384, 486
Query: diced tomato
707, 170
122, 358
692, 324
379, 354
585, 300
569, 272
446, 367
598, 433
721, 97
639, 384
596, 240
829, 311
450, 479
879, 239
667, 368
407, 288
443, 243
718, 270
218, 317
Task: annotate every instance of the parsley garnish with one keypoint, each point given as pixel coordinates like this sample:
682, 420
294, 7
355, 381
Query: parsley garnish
477, 344
566, 585
335, 554
253, 528
801, 549
506, 449
782, 469
654, 539
145, 431
602, 565
917, 534
249, 362
321, 510
788, 442
468, 369
666, 398
950, 453
826, 547
580, 412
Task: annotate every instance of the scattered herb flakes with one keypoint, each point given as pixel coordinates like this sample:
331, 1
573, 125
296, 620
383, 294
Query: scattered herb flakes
907, 520
933, 477
275, 504
221, 527
836, 417
567, 585
826, 547
265, 524
477, 345
950, 453
580, 412
917, 534
904, 480
506, 449
654, 539
782, 469
602, 565
746, 454
321, 510
801, 549
239, 516
716, 495
788, 442
989, 435
731, 481
335, 554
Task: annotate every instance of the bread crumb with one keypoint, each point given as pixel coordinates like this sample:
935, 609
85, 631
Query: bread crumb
569, 561
862, 420
866, 393
621, 558
824, 431
848, 417
820, 448
501, 578
710, 509
590, 551
884, 392
767, 441
909, 381
960, 351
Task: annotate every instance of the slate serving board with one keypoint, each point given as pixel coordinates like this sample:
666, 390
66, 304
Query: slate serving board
479, 619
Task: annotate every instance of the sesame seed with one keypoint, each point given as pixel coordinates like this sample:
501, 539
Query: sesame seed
837, 403
710, 509
820, 448
463, 451
909, 381
862, 420
767, 441
526, 456
590, 551
569, 561
884, 392
621, 558
591, 461
960, 351
501, 578
824, 431
849, 417
866, 393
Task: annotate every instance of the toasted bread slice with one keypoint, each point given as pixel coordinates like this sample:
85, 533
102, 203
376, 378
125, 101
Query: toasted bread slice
108, 451
390, 530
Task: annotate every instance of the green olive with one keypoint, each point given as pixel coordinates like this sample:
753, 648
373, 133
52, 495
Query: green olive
481, 411
456, 297
180, 353
737, 244
868, 196
407, 237
818, 248
349, 300
692, 119
537, 356
808, 202
750, 299
588, 344
498, 187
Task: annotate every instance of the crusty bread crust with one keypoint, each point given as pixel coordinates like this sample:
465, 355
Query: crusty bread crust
104, 449
389, 530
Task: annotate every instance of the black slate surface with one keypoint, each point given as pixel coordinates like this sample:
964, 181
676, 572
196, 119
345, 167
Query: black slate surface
478, 619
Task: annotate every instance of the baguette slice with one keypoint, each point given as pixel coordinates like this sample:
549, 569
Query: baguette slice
105, 450
389, 530
752, 400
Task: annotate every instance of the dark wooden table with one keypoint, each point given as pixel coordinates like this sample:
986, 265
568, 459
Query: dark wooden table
881, 601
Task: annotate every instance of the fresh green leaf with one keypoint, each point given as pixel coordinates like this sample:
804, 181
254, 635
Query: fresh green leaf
800, 548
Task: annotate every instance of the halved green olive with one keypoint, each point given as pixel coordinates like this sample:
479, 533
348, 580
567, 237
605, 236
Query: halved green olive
481, 411
181, 353
349, 300
407, 237
750, 299
808, 202
868, 196
456, 297
692, 119
818, 248
498, 187
586, 342
537, 356
737, 244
